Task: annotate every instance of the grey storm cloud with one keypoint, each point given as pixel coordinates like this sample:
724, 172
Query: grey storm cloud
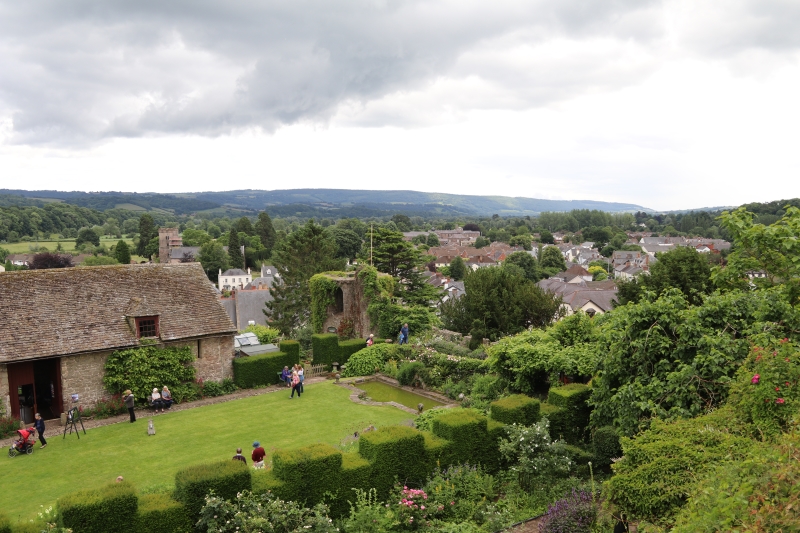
75, 73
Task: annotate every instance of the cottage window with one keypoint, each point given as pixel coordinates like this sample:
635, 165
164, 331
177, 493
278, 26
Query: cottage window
147, 326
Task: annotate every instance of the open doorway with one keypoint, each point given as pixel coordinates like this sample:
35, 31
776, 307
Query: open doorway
35, 388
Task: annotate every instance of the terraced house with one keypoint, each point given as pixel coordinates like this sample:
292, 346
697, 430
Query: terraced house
59, 326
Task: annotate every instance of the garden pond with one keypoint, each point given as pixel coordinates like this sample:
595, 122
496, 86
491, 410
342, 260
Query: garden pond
382, 392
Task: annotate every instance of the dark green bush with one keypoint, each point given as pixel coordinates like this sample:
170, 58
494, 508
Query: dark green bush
516, 409
159, 513
349, 347
308, 473
391, 317
261, 369
226, 478
228, 386
605, 443
580, 459
212, 389
558, 418
291, 348
393, 453
411, 373
573, 399
326, 349
112, 508
143, 368
467, 430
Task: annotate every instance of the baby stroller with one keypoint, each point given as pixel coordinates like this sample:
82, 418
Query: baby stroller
24, 444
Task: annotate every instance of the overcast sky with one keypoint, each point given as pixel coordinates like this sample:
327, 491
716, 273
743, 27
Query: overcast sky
667, 104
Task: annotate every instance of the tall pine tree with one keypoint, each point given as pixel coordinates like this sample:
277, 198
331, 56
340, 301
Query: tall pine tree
305, 252
234, 250
265, 231
147, 230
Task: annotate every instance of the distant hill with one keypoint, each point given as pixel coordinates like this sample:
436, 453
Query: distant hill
332, 203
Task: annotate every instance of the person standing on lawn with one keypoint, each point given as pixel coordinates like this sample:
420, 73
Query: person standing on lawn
301, 375
295, 384
258, 455
127, 397
39, 425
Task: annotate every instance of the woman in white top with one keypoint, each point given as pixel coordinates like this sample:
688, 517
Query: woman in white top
158, 406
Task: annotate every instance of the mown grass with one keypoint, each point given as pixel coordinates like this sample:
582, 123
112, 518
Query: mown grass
204, 434
67, 245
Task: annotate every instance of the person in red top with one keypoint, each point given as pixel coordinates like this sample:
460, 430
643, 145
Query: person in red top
258, 455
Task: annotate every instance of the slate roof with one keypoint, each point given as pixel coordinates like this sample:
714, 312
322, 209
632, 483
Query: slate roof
235, 272
576, 295
64, 311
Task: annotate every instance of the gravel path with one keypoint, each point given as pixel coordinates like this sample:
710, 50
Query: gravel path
54, 427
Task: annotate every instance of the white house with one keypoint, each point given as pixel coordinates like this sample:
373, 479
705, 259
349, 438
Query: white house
234, 278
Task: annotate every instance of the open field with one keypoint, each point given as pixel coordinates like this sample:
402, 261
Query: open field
67, 245
192, 436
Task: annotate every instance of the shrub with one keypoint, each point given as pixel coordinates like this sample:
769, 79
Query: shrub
460, 493
467, 430
450, 348
487, 387
391, 317
349, 347
212, 389
575, 513
308, 473
411, 373
112, 508
5, 524
8, 426
261, 369
228, 386
766, 392
390, 451
144, 368
573, 399
676, 454
516, 409
558, 419
266, 335
225, 478
365, 361
262, 512
424, 421
532, 455
605, 444
326, 349
159, 513
291, 348
105, 408
580, 459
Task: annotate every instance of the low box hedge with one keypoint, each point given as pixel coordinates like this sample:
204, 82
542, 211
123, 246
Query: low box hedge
467, 431
159, 513
112, 508
225, 478
356, 473
349, 347
291, 348
393, 452
264, 481
574, 399
558, 419
605, 444
438, 451
308, 473
516, 409
260, 370
326, 349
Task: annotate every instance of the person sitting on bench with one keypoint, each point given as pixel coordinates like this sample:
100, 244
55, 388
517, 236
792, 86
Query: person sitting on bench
155, 401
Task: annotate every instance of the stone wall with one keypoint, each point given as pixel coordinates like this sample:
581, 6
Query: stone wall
354, 309
215, 360
83, 375
5, 394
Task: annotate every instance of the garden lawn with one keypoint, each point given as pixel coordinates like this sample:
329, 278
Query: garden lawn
67, 245
205, 434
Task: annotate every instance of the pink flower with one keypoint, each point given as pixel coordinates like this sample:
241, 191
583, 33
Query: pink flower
779, 400
755, 379
777, 388
422, 507
452, 503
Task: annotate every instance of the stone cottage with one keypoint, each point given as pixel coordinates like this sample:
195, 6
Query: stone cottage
59, 326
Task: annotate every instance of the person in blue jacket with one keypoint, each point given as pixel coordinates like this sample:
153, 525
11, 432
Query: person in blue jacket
404, 334
286, 376
39, 425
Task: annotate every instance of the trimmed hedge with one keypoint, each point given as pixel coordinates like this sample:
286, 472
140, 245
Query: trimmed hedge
496, 430
516, 409
573, 399
439, 451
394, 453
558, 420
467, 431
159, 513
112, 508
226, 478
308, 473
326, 349
349, 347
580, 457
291, 348
605, 443
264, 480
264, 369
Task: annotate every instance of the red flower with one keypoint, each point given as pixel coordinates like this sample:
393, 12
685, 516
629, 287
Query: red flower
777, 388
779, 400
